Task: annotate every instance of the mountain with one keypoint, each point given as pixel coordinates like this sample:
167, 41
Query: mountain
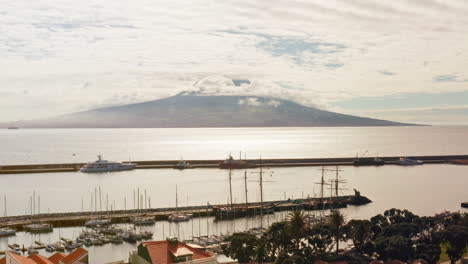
185, 110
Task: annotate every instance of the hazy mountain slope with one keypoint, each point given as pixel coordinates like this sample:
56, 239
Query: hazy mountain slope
206, 111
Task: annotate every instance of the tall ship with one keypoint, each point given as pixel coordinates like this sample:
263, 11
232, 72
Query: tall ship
101, 165
231, 163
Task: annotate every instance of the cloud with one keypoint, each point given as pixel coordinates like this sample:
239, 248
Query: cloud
447, 78
254, 101
388, 73
144, 50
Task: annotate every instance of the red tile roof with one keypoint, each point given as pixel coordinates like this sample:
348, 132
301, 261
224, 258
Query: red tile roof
20, 259
74, 256
3, 260
55, 258
40, 259
162, 252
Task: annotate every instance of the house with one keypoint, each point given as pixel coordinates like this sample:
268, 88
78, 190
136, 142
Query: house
170, 251
79, 256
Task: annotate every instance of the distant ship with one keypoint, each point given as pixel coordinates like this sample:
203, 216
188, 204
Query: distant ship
409, 162
231, 163
13, 127
104, 166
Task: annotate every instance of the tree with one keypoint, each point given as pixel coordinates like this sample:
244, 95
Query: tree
456, 238
260, 251
336, 222
320, 239
360, 233
279, 238
241, 247
296, 221
393, 247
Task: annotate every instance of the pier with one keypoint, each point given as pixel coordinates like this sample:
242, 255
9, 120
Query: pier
161, 214
168, 164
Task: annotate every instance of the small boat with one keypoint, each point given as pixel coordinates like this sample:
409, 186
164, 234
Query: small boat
38, 228
409, 162
98, 222
32, 250
464, 205
101, 165
180, 217
142, 220
50, 248
59, 247
4, 232
182, 164
231, 163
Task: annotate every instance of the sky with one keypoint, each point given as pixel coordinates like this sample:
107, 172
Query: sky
399, 60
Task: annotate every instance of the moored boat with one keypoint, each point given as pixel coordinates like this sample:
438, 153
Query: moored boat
101, 165
4, 232
182, 164
231, 163
142, 220
38, 228
99, 221
409, 162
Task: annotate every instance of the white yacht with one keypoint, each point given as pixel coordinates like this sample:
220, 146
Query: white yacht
409, 162
101, 165
99, 221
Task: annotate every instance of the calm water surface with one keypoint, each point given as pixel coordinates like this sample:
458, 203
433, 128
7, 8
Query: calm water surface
424, 190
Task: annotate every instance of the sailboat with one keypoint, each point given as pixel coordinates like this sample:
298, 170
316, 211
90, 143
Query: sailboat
179, 217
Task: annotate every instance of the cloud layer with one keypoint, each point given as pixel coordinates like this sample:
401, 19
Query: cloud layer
60, 56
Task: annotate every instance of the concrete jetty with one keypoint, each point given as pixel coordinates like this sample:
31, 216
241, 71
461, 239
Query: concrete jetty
167, 164
124, 216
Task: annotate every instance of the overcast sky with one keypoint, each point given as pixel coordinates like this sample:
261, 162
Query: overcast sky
399, 60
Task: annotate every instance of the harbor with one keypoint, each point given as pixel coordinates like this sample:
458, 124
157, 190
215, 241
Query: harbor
250, 163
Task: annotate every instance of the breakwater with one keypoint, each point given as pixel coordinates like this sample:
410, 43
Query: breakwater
165, 164
124, 216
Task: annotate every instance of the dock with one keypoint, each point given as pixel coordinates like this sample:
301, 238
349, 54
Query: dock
169, 164
160, 214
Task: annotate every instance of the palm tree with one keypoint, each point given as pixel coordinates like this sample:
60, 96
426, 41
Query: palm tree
296, 221
336, 221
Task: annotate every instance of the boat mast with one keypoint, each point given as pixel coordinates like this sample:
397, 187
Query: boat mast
230, 187
245, 185
176, 199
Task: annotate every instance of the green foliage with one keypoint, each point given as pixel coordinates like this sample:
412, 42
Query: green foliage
360, 233
456, 238
241, 247
393, 247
